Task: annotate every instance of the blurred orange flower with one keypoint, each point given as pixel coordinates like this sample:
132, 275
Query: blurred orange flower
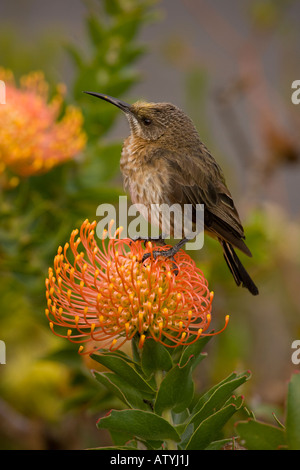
108, 296
34, 135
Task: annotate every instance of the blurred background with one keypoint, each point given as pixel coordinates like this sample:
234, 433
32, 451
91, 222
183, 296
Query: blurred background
230, 66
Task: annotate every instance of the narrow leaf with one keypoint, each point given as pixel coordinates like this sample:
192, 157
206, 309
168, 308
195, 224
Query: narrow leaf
210, 428
116, 353
140, 424
205, 397
218, 398
125, 370
155, 357
195, 350
128, 394
176, 390
120, 438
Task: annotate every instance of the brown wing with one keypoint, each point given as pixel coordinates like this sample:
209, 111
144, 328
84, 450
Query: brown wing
199, 180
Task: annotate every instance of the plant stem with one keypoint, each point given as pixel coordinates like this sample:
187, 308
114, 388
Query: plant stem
166, 414
159, 375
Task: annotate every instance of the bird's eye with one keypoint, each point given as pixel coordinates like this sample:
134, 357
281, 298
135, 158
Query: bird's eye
147, 121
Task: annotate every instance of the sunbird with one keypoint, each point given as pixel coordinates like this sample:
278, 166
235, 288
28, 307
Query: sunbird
164, 161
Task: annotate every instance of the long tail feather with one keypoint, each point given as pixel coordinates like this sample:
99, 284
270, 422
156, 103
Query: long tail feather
237, 269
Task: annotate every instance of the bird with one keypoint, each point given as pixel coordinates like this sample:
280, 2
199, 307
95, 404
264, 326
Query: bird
164, 161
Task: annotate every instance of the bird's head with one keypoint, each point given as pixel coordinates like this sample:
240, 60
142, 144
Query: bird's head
150, 121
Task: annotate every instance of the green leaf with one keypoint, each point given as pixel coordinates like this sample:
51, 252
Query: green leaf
185, 435
176, 389
178, 418
155, 357
210, 428
151, 444
128, 394
195, 350
140, 424
124, 370
217, 398
293, 413
203, 398
136, 352
120, 438
255, 435
117, 353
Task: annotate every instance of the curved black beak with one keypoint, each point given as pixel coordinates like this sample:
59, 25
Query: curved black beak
120, 104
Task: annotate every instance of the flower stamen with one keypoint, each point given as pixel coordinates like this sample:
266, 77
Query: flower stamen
107, 296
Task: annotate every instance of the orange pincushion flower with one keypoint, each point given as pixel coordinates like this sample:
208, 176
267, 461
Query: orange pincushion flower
109, 296
32, 139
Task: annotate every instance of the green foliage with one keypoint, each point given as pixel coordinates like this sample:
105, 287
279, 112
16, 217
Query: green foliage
256, 435
112, 29
162, 410
143, 425
155, 357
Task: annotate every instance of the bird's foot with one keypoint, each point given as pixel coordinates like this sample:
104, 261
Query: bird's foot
170, 253
164, 253
159, 240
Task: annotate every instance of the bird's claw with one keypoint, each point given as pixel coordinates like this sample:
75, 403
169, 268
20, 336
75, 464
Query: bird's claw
159, 241
165, 253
